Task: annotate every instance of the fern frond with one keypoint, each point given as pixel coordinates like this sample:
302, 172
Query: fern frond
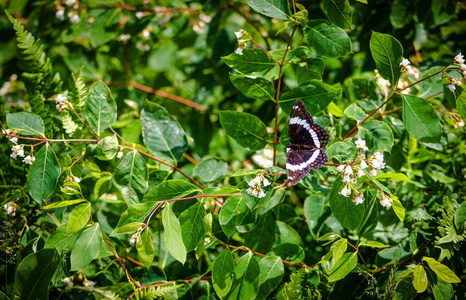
293, 288
78, 93
155, 293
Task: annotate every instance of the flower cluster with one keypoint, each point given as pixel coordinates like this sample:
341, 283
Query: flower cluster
453, 83
410, 70
264, 158
241, 43
199, 26
72, 14
9, 133
62, 102
135, 237
255, 186
382, 83
10, 208
386, 201
459, 60
68, 282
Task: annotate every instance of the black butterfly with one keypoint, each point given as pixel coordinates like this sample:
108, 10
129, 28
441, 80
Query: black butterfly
307, 140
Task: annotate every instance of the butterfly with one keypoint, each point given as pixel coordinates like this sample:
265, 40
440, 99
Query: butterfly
304, 153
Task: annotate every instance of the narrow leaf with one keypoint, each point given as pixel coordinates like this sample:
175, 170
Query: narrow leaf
78, 218
172, 235
171, 189
145, 248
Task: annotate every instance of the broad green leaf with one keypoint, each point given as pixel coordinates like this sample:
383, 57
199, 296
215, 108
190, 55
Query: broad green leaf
343, 266
287, 234
79, 218
171, 189
342, 151
43, 174
339, 12
60, 240
378, 135
290, 252
210, 170
232, 214
71, 188
34, 274
356, 112
271, 274
262, 237
307, 66
222, 273
316, 96
192, 228
401, 12
271, 8
253, 62
63, 203
254, 87
172, 234
27, 123
460, 215
420, 279
276, 199
371, 214
461, 103
248, 130
373, 244
345, 211
393, 176
420, 119
398, 208
246, 278
107, 148
101, 108
387, 53
313, 209
327, 39
361, 89
162, 135
145, 248
442, 271
339, 248
441, 289
133, 217
86, 248
131, 177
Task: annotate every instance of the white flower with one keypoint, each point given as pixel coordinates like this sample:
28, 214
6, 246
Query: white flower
239, 51
463, 67
120, 154
345, 192
70, 2
68, 282
363, 164
239, 34
139, 14
341, 168
10, 208
89, 283
354, 180
412, 71
265, 182
404, 63
386, 201
261, 194
263, 158
14, 140
451, 87
60, 98
91, 20
348, 170
134, 238
373, 172
205, 18
346, 178
359, 199
460, 123
255, 186
146, 33
60, 14
124, 37
361, 144
142, 46
76, 179
74, 18
377, 161
361, 173
29, 160
459, 59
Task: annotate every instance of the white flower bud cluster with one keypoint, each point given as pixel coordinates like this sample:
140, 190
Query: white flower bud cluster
199, 26
72, 15
10, 208
263, 158
382, 83
68, 282
135, 237
8, 133
386, 201
62, 102
241, 43
410, 70
255, 186
459, 60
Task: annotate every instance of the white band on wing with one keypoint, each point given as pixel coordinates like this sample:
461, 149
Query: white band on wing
303, 165
307, 126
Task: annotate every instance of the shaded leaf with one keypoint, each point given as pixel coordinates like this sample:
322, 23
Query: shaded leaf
387, 53
270, 8
327, 39
101, 107
172, 235
222, 273
86, 248
145, 248
420, 119
345, 211
26, 123
339, 12
248, 130
131, 177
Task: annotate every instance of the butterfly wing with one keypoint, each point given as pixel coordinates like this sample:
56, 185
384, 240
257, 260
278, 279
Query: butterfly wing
300, 162
303, 131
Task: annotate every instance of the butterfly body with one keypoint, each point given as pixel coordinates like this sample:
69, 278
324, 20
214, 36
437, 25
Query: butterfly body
307, 139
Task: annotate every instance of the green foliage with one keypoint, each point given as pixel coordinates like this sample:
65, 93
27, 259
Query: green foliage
158, 168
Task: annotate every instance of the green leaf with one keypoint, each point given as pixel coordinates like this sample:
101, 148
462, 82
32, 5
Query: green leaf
162, 135
101, 107
71, 188
270, 8
355, 112
339, 248
43, 174
131, 177
271, 274
316, 96
222, 273
313, 209
345, 211
133, 217
254, 87
460, 215
107, 148
172, 234
253, 62
262, 237
26, 123
79, 218
373, 244
192, 228
276, 199
86, 248
420, 279
248, 130
63, 203
210, 170
339, 12
442, 271
461, 103
145, 248
342, 151
401, 12
307, 66
246, 277
290, 252
378, 135
393, 176
232, 214
34, 274
387, 53
327, 39
420, 119
60, 240
171, 189
343, 266
398, 208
